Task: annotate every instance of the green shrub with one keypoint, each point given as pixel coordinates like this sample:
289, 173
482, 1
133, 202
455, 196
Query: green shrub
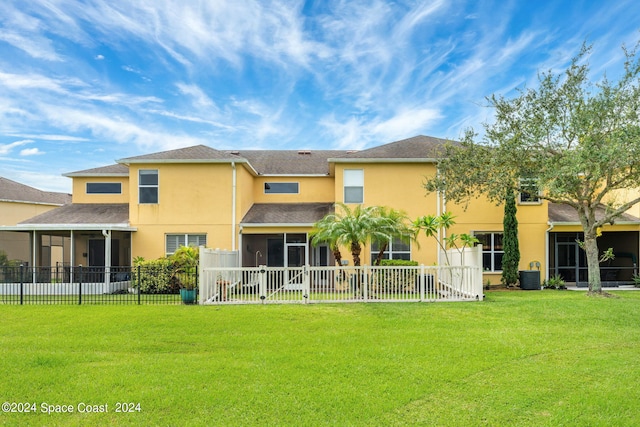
555, 282
156, 276
398, 262
185, 266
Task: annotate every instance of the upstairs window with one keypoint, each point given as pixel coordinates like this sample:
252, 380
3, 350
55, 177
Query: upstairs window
281, 188
492, 251
529, 191
104, 188
148, 186
354, 186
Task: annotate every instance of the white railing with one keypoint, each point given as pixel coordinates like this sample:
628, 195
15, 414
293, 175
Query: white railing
254, 285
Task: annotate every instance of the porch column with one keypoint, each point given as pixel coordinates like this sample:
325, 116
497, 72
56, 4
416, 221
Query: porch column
107, 257
72, 258
34, 256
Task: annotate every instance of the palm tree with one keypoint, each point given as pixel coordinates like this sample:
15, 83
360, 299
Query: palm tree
324, 232
350, 227
393, 223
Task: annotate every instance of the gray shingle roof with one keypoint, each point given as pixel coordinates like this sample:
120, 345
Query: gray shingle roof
285, 162
84, 213
286, 213
561, 213
111, 170
290, 162
197, 153
12, 191
419, 148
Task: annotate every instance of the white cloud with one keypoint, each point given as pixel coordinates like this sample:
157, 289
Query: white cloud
201, 100
7, 148
53, 137
359, 132
31, 152
37, 47
116, 129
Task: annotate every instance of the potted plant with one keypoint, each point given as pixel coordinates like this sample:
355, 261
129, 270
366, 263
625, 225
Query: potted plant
185, 269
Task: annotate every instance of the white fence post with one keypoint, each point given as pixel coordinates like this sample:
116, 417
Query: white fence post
262, 283
365, 282
306, 284
421, 283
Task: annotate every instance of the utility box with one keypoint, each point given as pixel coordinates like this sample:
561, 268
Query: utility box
530, 280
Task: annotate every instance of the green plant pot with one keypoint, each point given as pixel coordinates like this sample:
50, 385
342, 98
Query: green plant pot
188, 296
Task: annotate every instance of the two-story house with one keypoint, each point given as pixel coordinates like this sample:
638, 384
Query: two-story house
263, 203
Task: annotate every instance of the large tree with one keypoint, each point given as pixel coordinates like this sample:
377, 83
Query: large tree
578, 141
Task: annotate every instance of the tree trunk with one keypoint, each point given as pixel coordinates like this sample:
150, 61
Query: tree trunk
355, 252
380, 254
337, 256
593, 261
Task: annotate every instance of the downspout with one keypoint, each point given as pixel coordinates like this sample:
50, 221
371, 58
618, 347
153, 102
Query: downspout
107, 257
233, 206
546, 249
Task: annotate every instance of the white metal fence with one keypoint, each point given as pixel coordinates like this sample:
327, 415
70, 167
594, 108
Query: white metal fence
259, 285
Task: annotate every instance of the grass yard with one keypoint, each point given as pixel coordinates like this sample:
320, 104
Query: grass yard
519, 358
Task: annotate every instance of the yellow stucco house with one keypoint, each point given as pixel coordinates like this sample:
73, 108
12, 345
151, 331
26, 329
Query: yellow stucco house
262, 203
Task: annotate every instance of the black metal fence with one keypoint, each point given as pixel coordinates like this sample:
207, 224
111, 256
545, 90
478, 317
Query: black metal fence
97, 285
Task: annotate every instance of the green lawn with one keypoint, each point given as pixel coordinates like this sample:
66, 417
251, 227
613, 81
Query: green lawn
518, 358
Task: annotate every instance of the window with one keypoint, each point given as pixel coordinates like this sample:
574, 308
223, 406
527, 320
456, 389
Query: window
174, 241
353, 186
104, 188
148, 186
281, 188
397, 249
492, 250
529, 191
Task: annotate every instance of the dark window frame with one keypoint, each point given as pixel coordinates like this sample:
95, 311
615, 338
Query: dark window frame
281, 187
103, 188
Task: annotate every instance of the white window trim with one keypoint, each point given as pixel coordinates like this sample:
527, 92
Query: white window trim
185, 236
389, 251
344, 186
531, 202
492, 251
157, 186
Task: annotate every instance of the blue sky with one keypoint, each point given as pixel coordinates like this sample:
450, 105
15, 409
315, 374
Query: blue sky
83, 83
